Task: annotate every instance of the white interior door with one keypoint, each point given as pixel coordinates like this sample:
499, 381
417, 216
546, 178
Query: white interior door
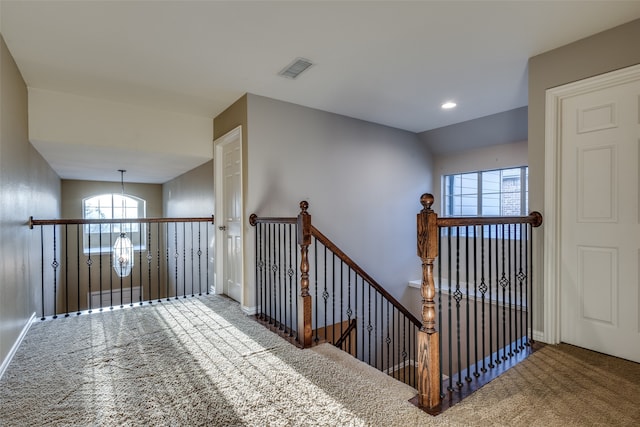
600, 220
228, 176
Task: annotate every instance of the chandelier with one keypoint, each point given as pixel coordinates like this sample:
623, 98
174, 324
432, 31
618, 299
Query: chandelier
123, 258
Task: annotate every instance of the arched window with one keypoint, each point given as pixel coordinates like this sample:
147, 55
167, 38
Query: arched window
99, 238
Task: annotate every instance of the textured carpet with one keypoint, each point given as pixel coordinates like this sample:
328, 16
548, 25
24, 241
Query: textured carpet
200, 361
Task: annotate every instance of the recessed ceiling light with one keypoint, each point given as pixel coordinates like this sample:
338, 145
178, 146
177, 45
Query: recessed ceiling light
448, 105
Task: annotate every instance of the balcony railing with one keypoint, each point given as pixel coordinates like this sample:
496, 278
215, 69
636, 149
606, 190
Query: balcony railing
173, 258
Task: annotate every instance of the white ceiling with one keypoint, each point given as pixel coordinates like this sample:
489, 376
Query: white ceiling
388, 62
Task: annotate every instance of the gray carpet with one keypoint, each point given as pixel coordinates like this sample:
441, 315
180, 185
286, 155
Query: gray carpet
200, 361
196, 361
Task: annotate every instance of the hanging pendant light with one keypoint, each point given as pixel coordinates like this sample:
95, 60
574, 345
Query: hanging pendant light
123, 258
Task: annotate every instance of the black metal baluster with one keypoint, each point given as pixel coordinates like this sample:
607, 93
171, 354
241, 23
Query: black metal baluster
489, 269
140, 281
167, 261
325, 296
55, 264
449, 332
43, 317
341, 295
206, 230
193, 275
457, 295
158, 261
333, 298
475, 298
274, 278
520, 280
530, 280
483, 291
184, 260
176, 256
66, 270
100, 265
296, 282
369, 325
258, 280
497, 297
268, 274
375, 327
404, 347
441, 334
388, 341
292, 276
78, 263
89, 263
149, 259
394, 361
110, 268
349, 312
279, 273
261, 283
315, 285
504, 282
361, 312
355, 310
499, 276
132, 271
511, 306
468, 330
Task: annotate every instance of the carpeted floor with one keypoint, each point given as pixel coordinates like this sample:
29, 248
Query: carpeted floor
201, 362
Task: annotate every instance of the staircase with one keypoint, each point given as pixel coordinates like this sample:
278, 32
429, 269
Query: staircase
309, 291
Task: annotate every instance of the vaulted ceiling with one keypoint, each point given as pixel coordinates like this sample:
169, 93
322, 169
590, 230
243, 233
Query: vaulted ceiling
388, 62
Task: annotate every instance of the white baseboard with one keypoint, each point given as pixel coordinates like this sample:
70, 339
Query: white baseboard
16, 345
538, 336
249, 311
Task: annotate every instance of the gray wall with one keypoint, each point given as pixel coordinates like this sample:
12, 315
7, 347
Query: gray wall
501, 128
492, 157
363, 182
28, 187
607, 51
74, 191
191, 194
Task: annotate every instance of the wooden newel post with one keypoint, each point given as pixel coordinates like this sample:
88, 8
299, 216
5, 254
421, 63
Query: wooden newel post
304, 308
428, 340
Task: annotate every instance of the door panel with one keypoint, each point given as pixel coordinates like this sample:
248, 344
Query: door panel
232, 274
599, 214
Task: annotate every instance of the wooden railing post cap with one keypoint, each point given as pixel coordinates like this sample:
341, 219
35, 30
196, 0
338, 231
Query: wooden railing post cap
537, 219
426, 200
304, 205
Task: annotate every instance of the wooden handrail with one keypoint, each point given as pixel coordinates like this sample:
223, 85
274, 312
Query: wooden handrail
345, 334
254, 219
534, 218
355, 267
32, 222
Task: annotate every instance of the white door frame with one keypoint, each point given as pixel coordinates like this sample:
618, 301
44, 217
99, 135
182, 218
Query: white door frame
218, 145
552, 202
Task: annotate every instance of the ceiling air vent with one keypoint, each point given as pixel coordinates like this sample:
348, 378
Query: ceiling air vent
294, 69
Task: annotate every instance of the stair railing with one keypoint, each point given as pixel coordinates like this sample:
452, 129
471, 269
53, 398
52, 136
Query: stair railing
318, 294
483, 278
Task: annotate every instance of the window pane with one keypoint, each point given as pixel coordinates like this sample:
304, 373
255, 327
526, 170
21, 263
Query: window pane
115, 207
490, 182
501, 193
511, 205
491, 204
